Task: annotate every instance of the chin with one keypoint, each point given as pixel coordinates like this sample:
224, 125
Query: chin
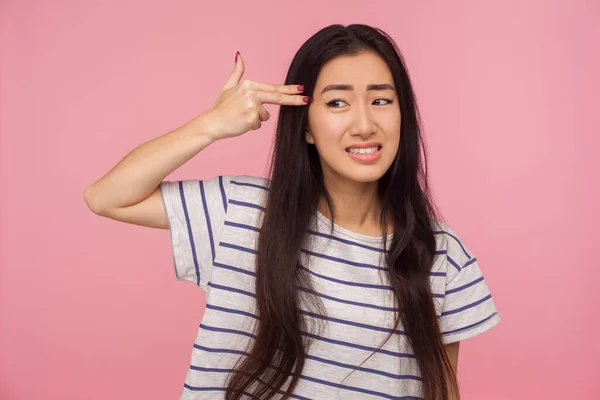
351, 172
365, 176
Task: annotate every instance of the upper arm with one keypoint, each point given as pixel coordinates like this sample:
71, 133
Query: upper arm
452, 353
148, 212
452, 350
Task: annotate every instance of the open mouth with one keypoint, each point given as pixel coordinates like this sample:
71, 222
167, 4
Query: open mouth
363, 150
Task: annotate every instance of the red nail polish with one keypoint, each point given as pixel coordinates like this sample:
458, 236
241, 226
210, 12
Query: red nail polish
306, 99
236, 56
301, 88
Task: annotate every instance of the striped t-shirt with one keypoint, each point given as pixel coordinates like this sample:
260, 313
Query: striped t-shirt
214, 227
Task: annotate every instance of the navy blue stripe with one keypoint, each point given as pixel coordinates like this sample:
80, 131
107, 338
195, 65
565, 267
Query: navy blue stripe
354, 303
208, 389
308, 378
340, 260
350, 323
190, 234
457, 240
358, 346
242, 226
458, 289
222, 389
315, 233
254, 185
348, 283
478, 302
204, 369
318, 359
364, 369
314, 315
469, 326
345, 241
453, 263
211, 350
245, 204
317, 337
471, 261
360, 390
236, 247
225, 330
236, 269
231, 311
365, 285
230, 289
205, 389
223, 195
208, 224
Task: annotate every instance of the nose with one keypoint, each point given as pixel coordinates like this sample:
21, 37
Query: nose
363, 124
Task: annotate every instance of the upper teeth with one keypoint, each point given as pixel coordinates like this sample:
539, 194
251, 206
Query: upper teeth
363, 151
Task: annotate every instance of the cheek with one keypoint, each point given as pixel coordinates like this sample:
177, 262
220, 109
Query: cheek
393, 127
393, 137
394, 146
326, 130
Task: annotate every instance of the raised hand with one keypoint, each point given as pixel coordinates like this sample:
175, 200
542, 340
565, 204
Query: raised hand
239, 107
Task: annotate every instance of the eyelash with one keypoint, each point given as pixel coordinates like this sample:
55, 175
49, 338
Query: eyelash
330, 104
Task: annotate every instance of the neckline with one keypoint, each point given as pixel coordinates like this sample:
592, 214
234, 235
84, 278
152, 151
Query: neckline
343, 232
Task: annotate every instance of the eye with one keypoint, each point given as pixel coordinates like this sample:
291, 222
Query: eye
389, 101
335, 103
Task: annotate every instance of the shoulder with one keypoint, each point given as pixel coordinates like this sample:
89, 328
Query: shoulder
246, 188
217, 191
247, 181
451, 248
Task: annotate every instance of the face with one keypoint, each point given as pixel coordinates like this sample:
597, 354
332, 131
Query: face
354, 119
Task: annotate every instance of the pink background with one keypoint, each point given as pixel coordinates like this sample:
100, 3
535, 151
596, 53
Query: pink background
509, 90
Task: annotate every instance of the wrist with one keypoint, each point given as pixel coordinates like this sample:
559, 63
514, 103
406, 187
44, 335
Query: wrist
200, 126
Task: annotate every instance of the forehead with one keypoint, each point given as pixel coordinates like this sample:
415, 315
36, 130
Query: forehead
359, 70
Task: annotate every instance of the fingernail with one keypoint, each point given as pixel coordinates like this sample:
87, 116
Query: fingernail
306, 99
236, 56
301, 88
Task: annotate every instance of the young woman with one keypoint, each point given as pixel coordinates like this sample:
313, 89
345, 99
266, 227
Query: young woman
332, 279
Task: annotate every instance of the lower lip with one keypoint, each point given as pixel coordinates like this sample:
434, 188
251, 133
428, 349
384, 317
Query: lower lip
369, 158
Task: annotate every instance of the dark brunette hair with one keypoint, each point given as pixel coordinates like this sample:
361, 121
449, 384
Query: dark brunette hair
296, 188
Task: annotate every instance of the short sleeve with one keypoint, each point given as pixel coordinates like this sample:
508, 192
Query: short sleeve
468, 307
196, 211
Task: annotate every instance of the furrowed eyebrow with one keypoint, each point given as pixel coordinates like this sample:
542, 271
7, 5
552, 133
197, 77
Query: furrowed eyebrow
378, 86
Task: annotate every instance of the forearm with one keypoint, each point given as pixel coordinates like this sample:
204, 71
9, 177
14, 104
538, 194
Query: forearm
140, 172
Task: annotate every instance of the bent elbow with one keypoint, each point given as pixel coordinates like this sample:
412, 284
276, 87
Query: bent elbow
90, 201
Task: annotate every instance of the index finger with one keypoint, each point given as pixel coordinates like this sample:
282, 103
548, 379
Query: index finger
282, 99
285, 89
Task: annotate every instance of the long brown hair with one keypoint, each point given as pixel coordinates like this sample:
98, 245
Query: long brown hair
296, 186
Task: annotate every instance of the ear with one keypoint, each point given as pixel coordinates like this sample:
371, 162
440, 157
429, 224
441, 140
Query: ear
309, 137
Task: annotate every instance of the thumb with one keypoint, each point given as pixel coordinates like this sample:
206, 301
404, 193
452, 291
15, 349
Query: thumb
237, 73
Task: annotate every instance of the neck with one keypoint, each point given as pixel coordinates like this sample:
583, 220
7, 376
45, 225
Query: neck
356, 206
